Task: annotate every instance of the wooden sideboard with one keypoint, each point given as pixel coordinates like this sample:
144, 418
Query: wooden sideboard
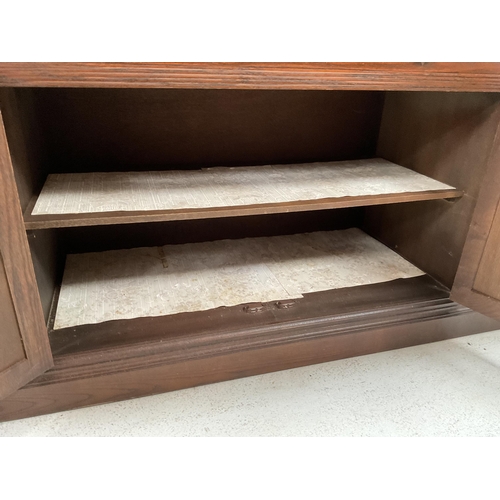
174, 121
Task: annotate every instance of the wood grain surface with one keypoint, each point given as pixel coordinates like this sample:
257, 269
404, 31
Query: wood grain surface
441, 122
133, 129
449, 138
477, 77
122, 365
119, 236
232, 322
23, 335
24, 138
131, 217
478, 275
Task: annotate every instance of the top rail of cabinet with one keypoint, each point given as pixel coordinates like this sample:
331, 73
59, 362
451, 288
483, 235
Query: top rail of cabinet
435, 76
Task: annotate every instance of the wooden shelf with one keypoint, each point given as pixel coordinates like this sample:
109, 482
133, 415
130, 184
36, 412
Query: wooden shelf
90, 199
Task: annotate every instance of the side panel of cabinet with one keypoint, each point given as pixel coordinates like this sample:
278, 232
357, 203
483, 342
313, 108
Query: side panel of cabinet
24, 345
477, 284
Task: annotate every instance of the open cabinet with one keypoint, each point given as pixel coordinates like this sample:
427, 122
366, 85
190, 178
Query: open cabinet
169, 225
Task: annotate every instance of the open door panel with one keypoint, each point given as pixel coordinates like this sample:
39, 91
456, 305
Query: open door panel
24, 345
477, 284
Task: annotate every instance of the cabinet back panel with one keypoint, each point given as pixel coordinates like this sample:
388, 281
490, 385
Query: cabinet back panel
101, 238
449, 138
151, 129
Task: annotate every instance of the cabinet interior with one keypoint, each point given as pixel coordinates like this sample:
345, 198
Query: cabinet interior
446, 137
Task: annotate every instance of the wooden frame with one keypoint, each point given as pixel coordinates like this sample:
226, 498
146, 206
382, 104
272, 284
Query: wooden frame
157, 358
25, 337
465, 77
479, 266
111, 362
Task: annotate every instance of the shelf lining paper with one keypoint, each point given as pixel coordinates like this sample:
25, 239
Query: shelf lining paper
158, 281
79, 193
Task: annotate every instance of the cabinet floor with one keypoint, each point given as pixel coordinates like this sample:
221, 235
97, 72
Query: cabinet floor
449, 388
158, 281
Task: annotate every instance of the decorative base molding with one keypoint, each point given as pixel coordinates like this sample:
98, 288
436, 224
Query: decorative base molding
409, 312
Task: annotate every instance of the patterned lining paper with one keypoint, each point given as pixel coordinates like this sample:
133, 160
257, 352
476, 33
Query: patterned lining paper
141, 282
225, 186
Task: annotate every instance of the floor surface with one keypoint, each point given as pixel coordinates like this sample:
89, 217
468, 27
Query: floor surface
449, 388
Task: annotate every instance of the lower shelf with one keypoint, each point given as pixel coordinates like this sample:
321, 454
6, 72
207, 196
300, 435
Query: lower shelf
160, 281
119, 360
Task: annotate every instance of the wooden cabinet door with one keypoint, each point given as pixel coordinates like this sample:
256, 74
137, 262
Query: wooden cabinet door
477, 283
24, 344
